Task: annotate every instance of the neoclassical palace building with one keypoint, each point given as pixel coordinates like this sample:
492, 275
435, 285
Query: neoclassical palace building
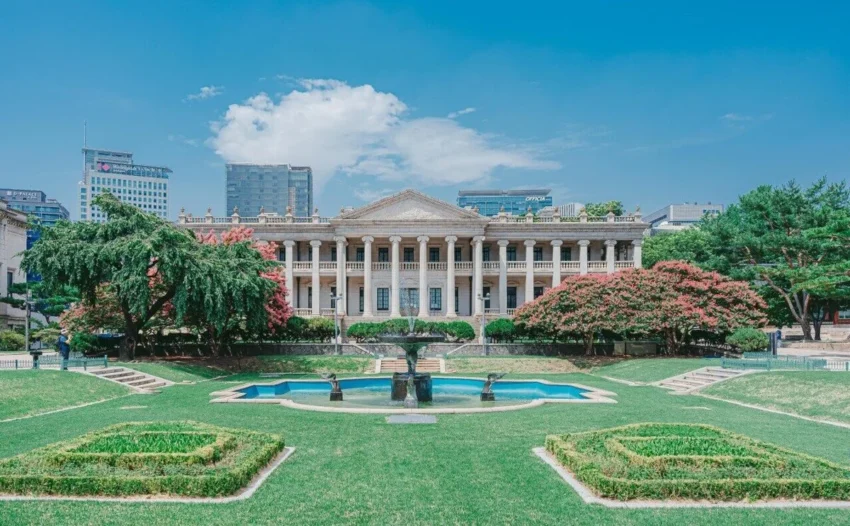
413, 249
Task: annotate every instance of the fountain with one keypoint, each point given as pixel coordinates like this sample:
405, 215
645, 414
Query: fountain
487, 394
336, 392
411, 387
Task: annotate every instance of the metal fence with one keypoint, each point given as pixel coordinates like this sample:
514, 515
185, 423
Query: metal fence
49, 362
778, 363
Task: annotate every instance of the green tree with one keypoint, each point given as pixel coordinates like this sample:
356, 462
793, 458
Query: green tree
602, 209
794, 241
49, 303
691, 245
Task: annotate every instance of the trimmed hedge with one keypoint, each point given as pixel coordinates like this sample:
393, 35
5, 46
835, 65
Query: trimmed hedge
148, 458
694, 461
371, 331
748, 340
501, 330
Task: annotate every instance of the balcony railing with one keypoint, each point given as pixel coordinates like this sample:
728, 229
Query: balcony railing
570, 266
406, 265
302, 312
353, 266
382, 265
463, 265
543, 265
516, 266
434, 265
597, 266
490, 265
302, 265
327, 265
624, 264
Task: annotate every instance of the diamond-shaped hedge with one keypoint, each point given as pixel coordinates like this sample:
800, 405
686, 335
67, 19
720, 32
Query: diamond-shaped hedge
691, 461
147, 458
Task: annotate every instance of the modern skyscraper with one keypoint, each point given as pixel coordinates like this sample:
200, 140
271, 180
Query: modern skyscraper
515, 202
272, 187
145, 187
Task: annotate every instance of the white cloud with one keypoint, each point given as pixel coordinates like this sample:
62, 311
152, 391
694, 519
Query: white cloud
456, 114
206, 92
337, 128
370, 194
183, 139
736, 117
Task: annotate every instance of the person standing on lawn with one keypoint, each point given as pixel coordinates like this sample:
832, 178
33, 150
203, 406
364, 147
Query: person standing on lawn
64, 348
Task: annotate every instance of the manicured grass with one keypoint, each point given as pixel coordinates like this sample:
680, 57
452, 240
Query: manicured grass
175, 371
25, 393
509, 364
647, 370
687, 461
466, 469
305, 364
818, 394
172, 458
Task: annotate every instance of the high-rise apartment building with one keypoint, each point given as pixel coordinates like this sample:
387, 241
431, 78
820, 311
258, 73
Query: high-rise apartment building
515, 202
272, 187
143, 186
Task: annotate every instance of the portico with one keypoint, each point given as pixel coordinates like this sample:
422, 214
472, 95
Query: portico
441, 257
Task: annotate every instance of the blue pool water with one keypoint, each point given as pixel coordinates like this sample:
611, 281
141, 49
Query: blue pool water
375, 392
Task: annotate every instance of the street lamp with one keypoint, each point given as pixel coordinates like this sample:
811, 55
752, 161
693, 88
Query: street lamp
335, 299
484, 299
29, 304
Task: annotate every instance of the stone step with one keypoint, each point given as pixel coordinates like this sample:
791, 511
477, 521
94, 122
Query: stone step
129, 380
120, 375
107, 370
156, 385
141, 383
705, 380
680, 385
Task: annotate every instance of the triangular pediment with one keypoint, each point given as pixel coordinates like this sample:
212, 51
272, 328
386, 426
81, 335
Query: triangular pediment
411, 205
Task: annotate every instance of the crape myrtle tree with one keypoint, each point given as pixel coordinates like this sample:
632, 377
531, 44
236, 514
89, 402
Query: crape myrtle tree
147, 268
792, 241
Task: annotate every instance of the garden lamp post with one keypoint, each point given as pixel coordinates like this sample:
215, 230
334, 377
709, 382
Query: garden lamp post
484, 299
334, 299
29, 304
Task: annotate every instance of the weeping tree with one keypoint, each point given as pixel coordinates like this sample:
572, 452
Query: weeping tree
149, 270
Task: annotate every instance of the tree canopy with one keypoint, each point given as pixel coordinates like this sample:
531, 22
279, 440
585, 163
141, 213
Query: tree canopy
49, 303
602, 209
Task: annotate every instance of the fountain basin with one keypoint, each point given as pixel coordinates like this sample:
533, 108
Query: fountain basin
422, 381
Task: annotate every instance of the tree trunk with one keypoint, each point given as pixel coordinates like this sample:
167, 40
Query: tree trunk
806, 327
588, 344
127, 351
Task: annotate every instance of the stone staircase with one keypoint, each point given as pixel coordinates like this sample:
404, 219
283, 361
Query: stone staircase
698, 379
399, 365
138, 381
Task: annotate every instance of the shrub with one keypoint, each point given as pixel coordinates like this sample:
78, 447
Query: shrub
748, 340
501, 330
84, 342
11, 341
319, 329
370, 331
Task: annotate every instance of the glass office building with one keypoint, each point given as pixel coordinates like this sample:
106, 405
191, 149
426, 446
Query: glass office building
272, 187
38, 208
515, 202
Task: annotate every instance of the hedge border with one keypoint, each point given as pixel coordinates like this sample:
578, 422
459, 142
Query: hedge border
605, 486
227, 482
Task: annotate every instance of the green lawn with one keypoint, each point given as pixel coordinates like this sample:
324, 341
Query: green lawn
306, 364
175, 371
818, 394
357, 469
649, 370
25, 393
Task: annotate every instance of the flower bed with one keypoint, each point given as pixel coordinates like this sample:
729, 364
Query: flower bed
167, 458
691, 461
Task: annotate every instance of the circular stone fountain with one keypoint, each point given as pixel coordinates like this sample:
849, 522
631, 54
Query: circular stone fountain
422, 387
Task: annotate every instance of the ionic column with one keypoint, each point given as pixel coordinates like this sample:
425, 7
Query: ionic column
556, 262
367, 276
610, 245
290, 281
315, 268
503, 277
450, 277
395, 293
582, 256
638, 252
423, 276
529, 270
340, 274
477, 274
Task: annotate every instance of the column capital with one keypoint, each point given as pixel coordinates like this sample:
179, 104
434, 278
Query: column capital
610, 242
395, 239
451, 239
315, 243
504, 242
529, 242
556, 243
367, 239
289, 243
478, 239
583, 243
423, 239
340, 239
637, 242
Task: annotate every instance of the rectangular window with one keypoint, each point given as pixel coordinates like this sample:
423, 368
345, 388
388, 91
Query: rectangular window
485, 254
383, 298
333, 254
457, 300
408, 255
511, 297
361, 299
436, 296
333, 295
10, 279
434, 254
409, 298
486, 293
383, 254
359, 254
458, 254
566, 254
538, 253
309, 297
281, 254
538, 291
511, 253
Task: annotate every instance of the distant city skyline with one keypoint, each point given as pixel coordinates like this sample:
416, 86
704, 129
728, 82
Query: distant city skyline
272, 188
648, 104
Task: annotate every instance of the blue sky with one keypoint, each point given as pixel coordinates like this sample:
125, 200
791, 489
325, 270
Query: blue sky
646, 102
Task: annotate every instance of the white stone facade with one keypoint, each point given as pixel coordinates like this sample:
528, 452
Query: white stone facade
409, 241
13, 242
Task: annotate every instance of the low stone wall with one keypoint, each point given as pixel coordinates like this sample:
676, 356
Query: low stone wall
268, 349
531, 349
